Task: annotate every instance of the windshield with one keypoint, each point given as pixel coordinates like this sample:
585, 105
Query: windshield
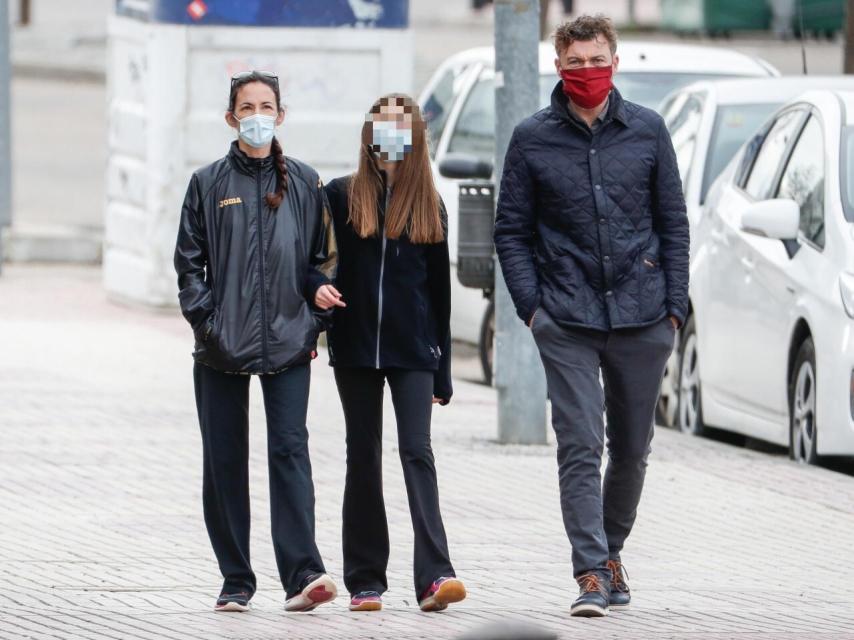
474, 132
435, 111
846, 166
734, 124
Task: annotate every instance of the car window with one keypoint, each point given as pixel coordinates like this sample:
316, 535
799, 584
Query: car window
683, 128
761, 178
671, 111
436, 108
650, 88
803, 181
669, 105
734, 124
474, 131
846, 178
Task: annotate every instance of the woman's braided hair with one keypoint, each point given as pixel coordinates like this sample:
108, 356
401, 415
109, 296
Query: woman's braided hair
275, 198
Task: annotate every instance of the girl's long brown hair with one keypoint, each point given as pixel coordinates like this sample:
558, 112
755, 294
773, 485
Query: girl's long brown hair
414, 206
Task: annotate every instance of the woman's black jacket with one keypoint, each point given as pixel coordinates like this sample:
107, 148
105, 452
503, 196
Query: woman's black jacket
398, 297
247, 274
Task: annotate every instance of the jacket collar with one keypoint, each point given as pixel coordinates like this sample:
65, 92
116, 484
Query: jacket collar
616, 105
247, 165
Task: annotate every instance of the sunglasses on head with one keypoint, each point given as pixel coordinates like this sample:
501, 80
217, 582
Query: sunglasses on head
242, 75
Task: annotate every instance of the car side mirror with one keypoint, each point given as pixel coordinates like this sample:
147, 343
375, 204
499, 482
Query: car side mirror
778, 219
463, 166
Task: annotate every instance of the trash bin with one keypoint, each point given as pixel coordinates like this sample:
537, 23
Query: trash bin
475, 248
821, 17
168, 75
715, 17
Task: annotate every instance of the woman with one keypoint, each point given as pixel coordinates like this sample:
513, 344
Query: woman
394, 276
255, 258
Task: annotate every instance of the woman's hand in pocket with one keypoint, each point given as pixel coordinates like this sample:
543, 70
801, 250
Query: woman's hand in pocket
327, 297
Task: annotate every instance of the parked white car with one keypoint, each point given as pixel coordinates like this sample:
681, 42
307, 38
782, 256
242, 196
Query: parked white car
708, 122
768, 350
458, 103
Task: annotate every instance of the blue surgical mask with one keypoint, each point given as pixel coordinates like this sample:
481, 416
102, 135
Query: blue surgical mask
257, 131
390, 143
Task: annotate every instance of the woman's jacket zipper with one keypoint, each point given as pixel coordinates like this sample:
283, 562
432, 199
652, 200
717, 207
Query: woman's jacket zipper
261, 256
382, 271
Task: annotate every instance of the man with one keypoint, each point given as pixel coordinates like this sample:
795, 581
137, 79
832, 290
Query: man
592, 237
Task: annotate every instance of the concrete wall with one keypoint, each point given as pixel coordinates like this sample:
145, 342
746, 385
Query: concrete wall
167, 89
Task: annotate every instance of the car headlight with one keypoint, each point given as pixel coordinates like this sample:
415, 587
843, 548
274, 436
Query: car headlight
846, 288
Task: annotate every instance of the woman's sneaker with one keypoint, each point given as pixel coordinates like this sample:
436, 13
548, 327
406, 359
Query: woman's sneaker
366, 601
441, 593
233, 602
592, 601
620, 596
316, 590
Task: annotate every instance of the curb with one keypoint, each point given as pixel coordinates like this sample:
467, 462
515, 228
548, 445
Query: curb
30, 70
55, 244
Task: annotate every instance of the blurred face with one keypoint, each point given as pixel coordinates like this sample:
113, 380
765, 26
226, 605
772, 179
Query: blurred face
391, 131
255, 98
587, 53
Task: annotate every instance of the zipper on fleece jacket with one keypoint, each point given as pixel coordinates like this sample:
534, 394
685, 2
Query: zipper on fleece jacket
382, 271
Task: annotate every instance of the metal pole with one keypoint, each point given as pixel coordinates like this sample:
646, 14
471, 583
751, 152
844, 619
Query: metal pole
519, 374
5, 129
633, 19
849, 37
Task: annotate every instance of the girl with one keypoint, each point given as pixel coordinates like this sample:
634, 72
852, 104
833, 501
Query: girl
395, 277
255, 257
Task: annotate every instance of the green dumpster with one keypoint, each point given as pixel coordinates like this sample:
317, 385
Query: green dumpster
715, 17
821, 16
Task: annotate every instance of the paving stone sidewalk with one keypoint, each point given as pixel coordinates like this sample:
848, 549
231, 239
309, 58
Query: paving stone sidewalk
101, 532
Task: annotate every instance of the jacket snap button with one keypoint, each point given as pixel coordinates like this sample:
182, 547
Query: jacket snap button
593, 152
598, 187
606, 258
609, 293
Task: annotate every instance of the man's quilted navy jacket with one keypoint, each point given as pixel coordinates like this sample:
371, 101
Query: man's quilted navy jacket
592, 226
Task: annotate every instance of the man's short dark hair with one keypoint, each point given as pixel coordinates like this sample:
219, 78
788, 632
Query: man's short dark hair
585, 28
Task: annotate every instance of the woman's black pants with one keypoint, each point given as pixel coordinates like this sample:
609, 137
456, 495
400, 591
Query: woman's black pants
222, 400
365, 533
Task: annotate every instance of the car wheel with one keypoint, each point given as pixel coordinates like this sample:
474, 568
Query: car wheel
486, 344
668, 398
689, 415
802, 406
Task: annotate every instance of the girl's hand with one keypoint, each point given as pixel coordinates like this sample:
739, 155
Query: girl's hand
327, 297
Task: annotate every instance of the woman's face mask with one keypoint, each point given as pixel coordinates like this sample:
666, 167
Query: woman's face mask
389, 142
257, 130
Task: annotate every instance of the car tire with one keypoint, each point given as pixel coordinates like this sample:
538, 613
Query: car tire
803, 427
689, 413
486, 343
668, 397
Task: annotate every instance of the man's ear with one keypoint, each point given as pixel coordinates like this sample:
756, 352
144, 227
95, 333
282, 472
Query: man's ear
231, 121
557, 65
616, 62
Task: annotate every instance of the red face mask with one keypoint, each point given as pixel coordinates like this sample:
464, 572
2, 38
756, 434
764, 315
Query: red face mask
588, 86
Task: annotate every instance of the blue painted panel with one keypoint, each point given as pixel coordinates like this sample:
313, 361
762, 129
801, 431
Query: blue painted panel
385, 14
